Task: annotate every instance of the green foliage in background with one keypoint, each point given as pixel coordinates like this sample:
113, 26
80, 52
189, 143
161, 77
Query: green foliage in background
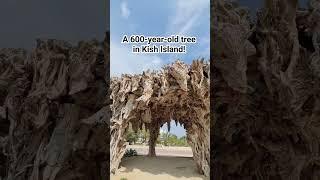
164, 138
168, 139
131, 137
140, 137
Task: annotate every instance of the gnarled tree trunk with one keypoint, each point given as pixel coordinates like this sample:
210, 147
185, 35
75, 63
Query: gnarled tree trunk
54, 106
265, 92
178, 92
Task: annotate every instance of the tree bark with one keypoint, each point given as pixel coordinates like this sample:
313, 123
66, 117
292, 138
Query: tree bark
154, 133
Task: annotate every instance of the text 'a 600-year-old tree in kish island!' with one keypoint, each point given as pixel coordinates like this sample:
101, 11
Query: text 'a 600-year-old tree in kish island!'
150, 44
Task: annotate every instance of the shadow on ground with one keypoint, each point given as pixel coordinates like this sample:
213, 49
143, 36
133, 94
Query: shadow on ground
164, 167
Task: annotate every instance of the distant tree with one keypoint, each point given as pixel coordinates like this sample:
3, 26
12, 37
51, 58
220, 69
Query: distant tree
144, 135
183, 141
172, 139
168, 139
131, 137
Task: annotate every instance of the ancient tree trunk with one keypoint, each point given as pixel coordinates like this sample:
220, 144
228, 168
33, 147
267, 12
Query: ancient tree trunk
266, 93
199, 139
56, 116
179, 92
117, 146
154, 133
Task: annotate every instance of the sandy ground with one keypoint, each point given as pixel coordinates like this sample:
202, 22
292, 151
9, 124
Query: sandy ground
166, 166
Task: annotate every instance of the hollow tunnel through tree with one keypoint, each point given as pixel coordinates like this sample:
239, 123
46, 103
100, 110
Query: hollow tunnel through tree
170, 134
173, 134
179, 91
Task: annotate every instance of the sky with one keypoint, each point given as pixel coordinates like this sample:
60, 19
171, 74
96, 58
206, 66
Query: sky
157, 18
72, 20
178, 130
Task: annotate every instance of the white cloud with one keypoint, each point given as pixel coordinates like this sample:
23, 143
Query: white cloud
187, 15
122, 61
125, 12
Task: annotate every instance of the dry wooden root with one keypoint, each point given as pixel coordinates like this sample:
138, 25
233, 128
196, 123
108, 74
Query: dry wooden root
178, 92
266, 92
53, 112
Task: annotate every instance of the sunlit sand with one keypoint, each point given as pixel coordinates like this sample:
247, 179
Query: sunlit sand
157, 168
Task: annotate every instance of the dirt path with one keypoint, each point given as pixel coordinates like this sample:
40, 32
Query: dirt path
158, 168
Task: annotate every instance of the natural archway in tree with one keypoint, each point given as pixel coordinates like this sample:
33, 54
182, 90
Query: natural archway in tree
179, 91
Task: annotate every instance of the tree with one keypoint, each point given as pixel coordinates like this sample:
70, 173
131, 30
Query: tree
172, 139
131, 137
141, 136
169, 139
183, 141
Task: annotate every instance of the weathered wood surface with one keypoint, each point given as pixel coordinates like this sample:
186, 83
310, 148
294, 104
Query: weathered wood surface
179, 92
54, 112
266, 92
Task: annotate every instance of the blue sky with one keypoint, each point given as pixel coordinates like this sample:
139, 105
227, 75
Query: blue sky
157, 18
174, 129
